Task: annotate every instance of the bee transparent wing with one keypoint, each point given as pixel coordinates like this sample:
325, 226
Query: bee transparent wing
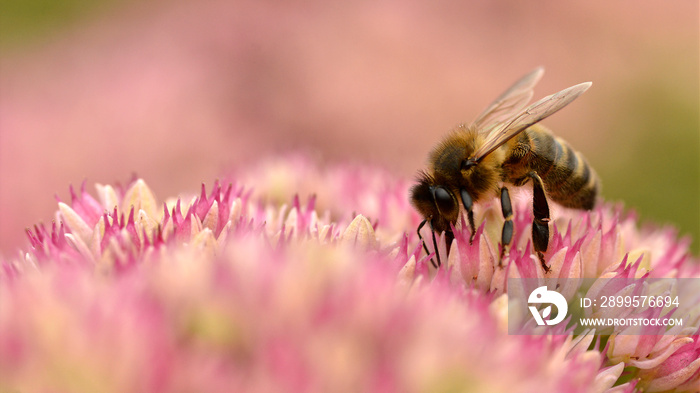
533, 114
510, 102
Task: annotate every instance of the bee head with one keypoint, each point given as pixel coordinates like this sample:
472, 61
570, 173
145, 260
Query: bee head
435, 202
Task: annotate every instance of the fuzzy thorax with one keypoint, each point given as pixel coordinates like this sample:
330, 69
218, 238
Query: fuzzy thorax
447, 169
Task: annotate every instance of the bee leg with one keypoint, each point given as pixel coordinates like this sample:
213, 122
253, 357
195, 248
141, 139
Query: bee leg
507, 233
468, 203
435, 247
420, 226
449, 237
540, 224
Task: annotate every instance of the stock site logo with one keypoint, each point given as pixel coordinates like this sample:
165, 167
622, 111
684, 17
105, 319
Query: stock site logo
542, 296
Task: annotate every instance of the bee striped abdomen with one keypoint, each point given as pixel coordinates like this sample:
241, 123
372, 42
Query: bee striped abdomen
567, 177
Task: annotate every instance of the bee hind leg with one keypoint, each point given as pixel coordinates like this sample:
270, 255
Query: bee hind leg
507, 232
540, 223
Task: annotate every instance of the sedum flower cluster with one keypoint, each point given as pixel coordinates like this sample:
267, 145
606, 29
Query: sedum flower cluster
291, 277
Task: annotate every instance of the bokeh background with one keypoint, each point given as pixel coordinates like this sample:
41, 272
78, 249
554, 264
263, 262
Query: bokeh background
180, 92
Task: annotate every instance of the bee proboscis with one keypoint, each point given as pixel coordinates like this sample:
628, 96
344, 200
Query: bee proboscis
505, 146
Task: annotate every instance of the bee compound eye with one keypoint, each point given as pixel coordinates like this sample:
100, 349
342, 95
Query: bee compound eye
444, 201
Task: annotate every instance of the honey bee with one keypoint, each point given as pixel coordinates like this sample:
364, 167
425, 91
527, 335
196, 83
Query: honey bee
505, 146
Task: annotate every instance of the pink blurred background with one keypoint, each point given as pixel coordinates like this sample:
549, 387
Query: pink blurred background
180, 92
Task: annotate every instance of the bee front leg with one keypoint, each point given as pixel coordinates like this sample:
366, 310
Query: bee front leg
540, 224
427, 252
468, 203
507, 232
